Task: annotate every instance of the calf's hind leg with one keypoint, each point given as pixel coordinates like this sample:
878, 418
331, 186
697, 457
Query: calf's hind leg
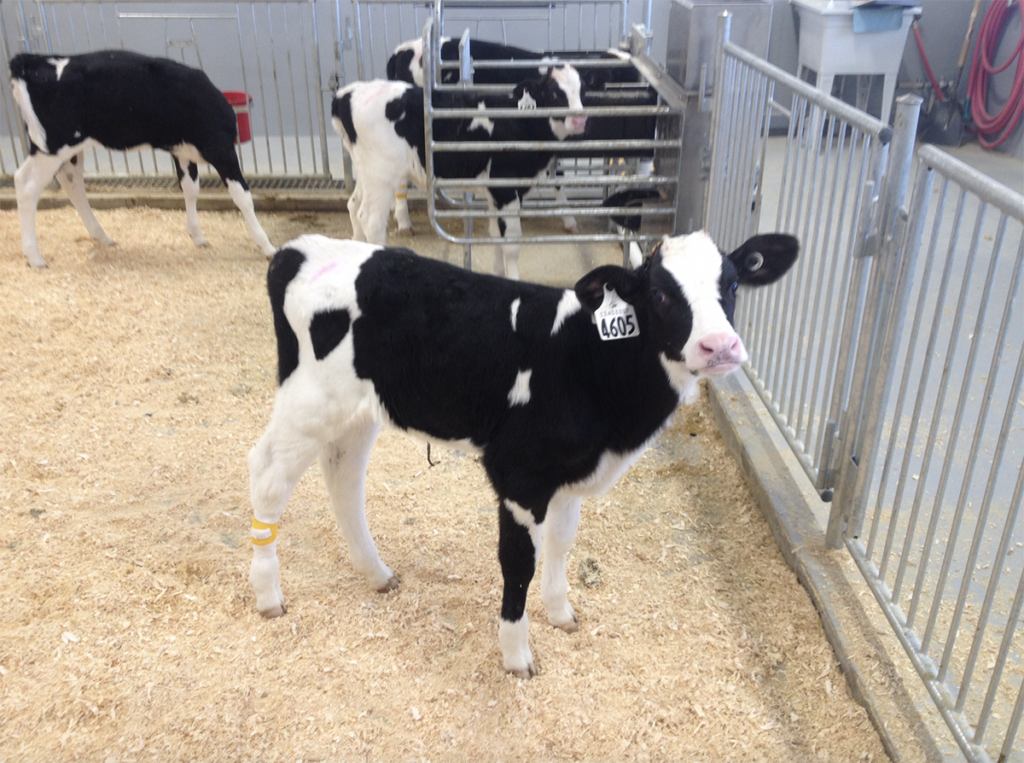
72, 179
189, 183
225, 162
30, 179
343, 463
276, 463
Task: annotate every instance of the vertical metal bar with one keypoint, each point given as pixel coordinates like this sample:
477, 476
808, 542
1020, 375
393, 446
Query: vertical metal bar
899, 267
951, 349
987, 500
807, 322
357, 12
1011, 627
986, 399
797, 279
263, 98
317, 88
836, 276
869, 357
314, 90
904, 385
46, 28
277, 89
818, 290
14, 128
245, 89
847, 370
369, 42
291, 83
774, 363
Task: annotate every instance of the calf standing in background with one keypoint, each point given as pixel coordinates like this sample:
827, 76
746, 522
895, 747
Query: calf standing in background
381, 126
121, 100
560, 389
406, 65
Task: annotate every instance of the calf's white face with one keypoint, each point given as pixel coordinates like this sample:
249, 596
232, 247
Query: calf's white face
713, 348
688, 290
568, 80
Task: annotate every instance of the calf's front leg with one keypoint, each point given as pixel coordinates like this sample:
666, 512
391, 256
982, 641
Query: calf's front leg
519, 543
559, 530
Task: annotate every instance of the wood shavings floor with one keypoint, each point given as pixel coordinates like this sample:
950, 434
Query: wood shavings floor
133, 381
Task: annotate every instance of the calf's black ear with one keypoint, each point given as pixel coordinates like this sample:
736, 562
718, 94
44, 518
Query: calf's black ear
764, 259
626, 283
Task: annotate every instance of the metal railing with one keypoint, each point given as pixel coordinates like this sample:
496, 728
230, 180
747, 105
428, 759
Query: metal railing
590, 175
929, 500
826, 177
919, 428
377, 27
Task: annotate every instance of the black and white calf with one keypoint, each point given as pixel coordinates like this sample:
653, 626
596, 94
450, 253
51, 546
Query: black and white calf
381, 125
406, 65
121, 100
560, 389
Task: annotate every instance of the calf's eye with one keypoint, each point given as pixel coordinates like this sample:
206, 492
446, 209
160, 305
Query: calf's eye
657, 297
735, 286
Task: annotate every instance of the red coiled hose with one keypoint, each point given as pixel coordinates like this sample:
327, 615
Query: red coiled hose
994, 129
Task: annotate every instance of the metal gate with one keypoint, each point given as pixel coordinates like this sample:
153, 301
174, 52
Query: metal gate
270, 51
591, 174
919, 433
576, 27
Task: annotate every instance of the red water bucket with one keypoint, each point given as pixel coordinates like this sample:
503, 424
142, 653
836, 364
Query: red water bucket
241, 103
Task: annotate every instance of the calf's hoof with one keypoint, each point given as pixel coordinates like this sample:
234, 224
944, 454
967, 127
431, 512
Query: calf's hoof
406, 231
391, 585
571, 626
525, 673
275, 611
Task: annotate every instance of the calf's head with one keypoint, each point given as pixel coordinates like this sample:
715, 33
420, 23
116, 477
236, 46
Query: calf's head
559, 88
687, 293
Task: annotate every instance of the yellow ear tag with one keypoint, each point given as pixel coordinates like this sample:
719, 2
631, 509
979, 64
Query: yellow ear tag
257, 525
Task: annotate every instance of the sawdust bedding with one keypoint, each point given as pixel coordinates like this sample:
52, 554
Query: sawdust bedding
134, 380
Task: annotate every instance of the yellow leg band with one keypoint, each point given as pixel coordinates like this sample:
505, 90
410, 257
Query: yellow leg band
257, 525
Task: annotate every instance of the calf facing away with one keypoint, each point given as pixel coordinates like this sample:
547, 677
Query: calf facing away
561, 390
121, 100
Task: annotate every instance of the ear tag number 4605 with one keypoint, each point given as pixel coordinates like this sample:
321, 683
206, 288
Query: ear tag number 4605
615, 318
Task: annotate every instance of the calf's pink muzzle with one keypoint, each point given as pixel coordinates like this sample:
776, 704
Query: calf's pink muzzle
718, 354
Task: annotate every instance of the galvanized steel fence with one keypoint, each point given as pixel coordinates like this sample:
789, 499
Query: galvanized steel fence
892, 360
929, 502
825, 178
594, 175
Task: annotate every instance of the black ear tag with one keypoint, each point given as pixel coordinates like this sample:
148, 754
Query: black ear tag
753, 262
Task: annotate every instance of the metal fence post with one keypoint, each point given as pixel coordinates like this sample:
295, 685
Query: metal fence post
880, 329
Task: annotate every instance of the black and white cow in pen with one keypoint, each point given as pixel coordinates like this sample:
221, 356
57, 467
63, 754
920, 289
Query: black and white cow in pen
381, 125
406, 65
559, 389
121, 100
